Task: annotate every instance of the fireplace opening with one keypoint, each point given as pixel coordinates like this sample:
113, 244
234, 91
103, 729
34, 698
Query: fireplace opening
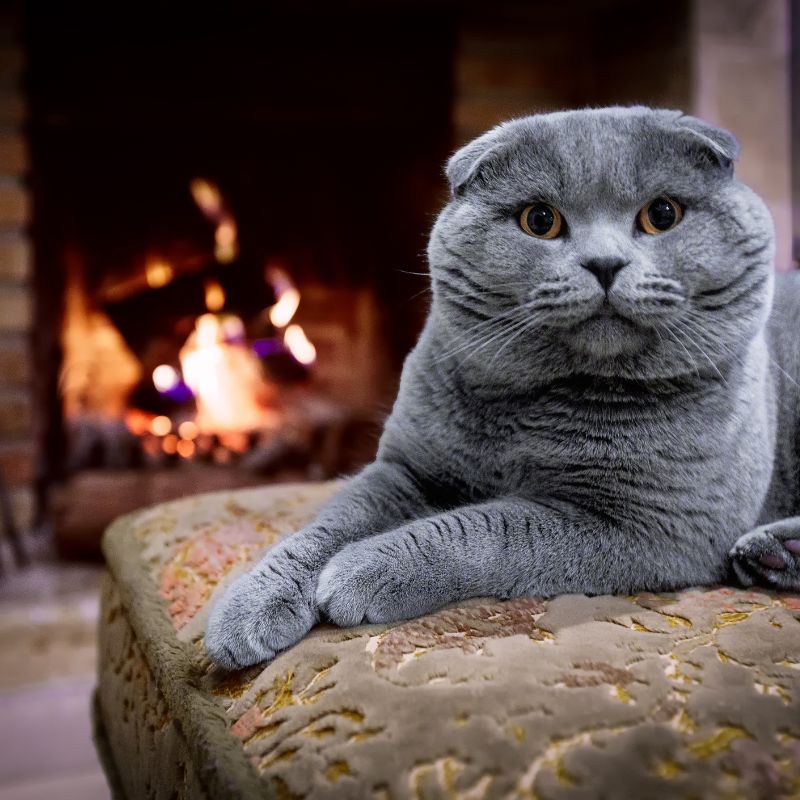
225, 219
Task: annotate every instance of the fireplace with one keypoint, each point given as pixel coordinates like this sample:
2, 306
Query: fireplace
225, 223
230, 217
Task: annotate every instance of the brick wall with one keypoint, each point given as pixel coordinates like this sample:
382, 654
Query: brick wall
16, 302
741, 57
517, 58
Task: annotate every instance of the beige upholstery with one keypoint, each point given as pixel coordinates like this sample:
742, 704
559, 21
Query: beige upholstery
691, 695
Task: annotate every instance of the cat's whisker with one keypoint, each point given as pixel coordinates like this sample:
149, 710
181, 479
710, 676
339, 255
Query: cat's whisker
674, 336
486, 293
419, 293
469, 340
529, 323
686, 338
695, 321
694, 325
475, 345
455, 297
511, 333
740, 358
687, 333
509, 323
511, 326
469, 337
785, 373
482, 328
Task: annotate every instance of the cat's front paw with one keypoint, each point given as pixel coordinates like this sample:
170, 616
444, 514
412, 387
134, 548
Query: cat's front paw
260, 614
365, 583
769, 554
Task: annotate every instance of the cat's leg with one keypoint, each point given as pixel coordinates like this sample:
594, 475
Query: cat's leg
273, 606
769, 554
505, 548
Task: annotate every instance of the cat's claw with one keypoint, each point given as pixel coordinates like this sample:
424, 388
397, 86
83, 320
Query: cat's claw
259, 615
769, 555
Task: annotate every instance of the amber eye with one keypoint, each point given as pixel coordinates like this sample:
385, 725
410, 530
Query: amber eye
660, 215
541, 221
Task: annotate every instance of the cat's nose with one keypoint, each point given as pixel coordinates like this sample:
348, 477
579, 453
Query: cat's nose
605, 269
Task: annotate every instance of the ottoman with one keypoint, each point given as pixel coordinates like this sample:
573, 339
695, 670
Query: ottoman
687, 695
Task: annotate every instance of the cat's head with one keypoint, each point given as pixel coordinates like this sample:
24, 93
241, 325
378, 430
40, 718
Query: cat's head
606, 241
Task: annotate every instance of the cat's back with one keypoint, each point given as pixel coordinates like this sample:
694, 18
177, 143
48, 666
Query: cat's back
784, 353
783, 322
784, 350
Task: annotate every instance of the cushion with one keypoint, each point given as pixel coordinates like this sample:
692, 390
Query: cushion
694, 694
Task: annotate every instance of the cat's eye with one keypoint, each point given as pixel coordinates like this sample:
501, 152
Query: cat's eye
660, 215
541, 221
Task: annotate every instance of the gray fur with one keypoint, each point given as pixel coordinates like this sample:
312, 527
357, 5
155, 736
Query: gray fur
545, 438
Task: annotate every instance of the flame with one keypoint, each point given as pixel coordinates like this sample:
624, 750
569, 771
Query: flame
299, 345
208, 198
137, 422
226, 248
225, 376
280, 315
188, 430
185, 448
210, 202
158, 274
165, 378
232, 328
215, 296
160, 426
237, 442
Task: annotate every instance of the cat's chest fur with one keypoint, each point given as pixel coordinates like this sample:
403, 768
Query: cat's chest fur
671, 460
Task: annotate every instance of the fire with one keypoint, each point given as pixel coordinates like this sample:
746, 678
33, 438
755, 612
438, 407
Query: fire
280, 315
137, 422
288, 298
225, 376
210, 202
215, 296
185, 448
225, 245
165, 378
216, 363
299, 346
98, 371
158, 274
160, 426
237, 406
188, 430
207, 197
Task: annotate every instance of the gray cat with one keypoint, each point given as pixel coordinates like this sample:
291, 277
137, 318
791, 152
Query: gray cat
603, 399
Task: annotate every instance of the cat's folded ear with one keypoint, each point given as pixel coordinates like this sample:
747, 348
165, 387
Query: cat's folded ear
466, 164
715, 146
